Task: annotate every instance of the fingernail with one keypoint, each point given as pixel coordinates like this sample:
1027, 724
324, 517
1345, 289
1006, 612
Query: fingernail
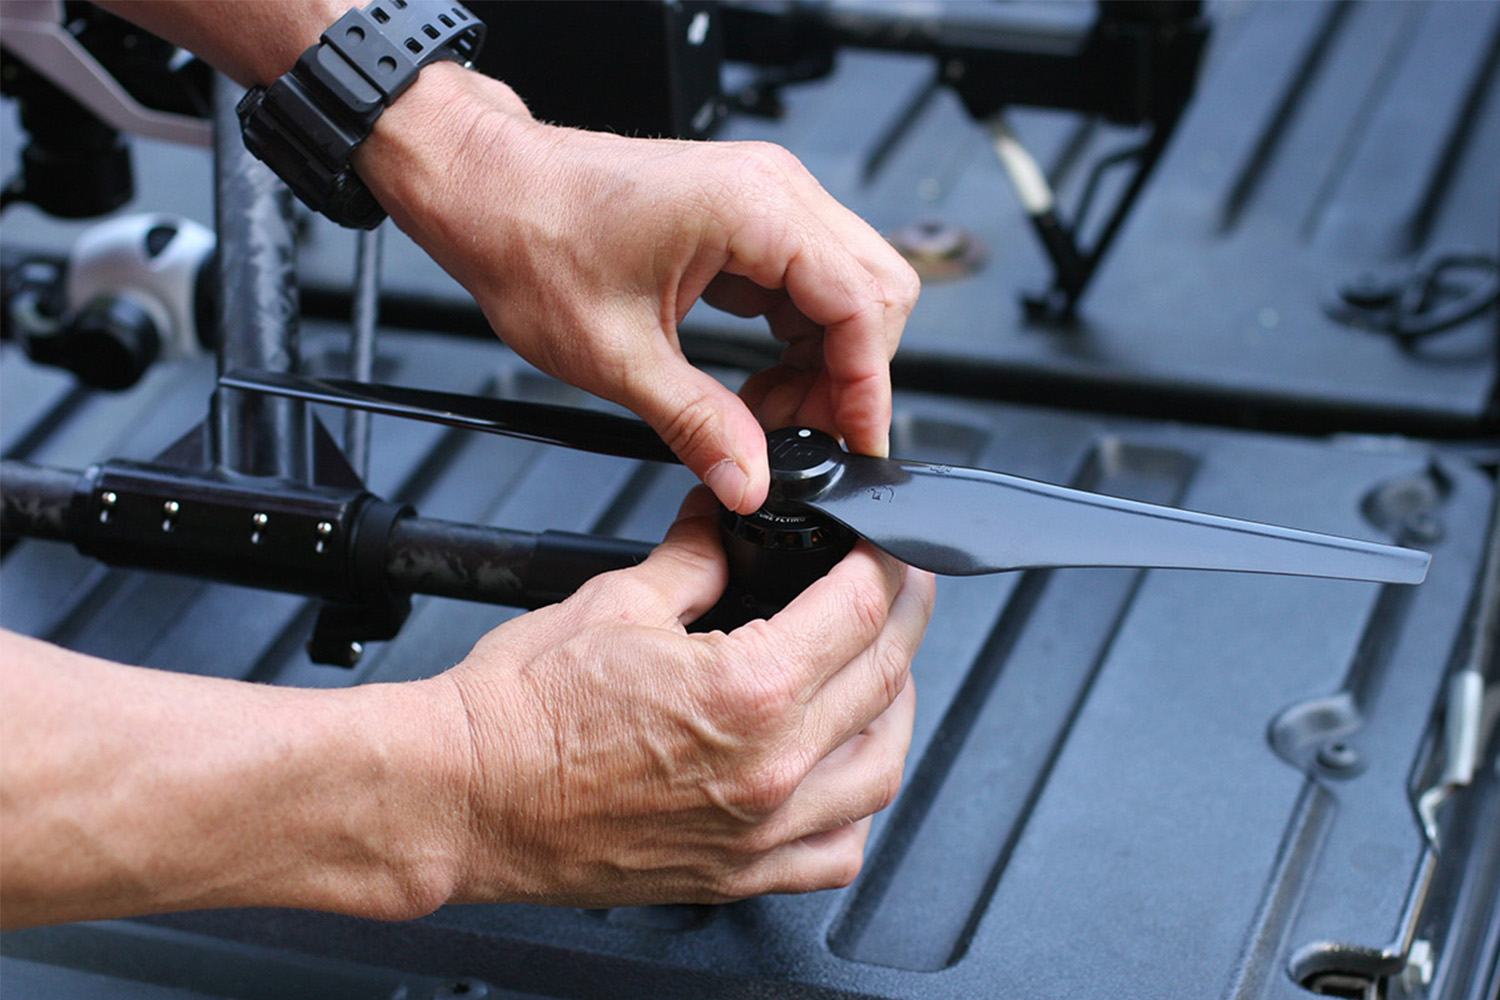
729, 482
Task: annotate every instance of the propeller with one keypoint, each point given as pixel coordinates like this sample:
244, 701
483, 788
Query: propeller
963, 522
946, 519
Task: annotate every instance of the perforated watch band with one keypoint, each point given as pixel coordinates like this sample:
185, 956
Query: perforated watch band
307, 124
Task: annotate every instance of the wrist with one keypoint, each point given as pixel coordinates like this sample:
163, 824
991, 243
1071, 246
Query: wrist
297, 27
309, 123
414, 760
417, 158
129, 791
483, 730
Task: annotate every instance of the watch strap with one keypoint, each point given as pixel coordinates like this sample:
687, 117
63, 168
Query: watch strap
390, 41
307, 124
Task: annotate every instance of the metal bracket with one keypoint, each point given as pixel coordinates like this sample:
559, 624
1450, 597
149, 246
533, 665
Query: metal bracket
33, 32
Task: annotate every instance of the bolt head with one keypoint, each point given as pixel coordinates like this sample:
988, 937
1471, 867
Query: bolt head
1337, 755
170, 507
1423, 527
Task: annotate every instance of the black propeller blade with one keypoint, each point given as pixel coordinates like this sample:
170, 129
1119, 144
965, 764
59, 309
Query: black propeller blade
962, 522
585, 430
948, 520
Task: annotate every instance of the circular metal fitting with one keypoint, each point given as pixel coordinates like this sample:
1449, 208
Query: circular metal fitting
170, 507
938, 251
259, 520
1337, 755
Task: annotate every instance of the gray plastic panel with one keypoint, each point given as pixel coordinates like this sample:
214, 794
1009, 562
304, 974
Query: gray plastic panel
1114, 787
1326, 140
1104, 798
123, 961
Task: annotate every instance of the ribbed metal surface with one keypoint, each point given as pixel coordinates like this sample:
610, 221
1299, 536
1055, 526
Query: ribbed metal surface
1100, 801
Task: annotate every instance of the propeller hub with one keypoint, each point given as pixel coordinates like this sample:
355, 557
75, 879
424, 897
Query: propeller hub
803, 461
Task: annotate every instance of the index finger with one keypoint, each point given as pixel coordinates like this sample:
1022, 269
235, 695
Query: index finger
857, 356
834, 289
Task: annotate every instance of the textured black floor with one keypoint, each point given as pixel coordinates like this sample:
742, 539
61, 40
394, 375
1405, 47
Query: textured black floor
1104, 763
1114, 788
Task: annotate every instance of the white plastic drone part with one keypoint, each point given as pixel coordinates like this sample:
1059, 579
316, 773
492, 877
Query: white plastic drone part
114, 259
32, 31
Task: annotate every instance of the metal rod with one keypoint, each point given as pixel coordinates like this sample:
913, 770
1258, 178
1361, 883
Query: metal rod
365, 317
1465, 729
35, 500
471, 562
515, 568
257, 313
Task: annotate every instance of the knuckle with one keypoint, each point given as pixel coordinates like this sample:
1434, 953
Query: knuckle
596, 591
764, 789
907, 288
888, 786
847, 865
770, 160
742, 884
619, 594
893, 667
926, 585
761, 705
691, 429
759, 696
762, 838
866, 602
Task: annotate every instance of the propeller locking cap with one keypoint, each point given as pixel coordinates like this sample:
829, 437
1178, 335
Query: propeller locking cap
802, 460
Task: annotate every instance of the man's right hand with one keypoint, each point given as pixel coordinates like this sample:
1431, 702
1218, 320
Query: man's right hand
586, 250
618, 759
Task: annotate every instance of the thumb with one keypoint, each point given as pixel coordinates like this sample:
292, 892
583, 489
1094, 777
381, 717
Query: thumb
708, 427
688, 570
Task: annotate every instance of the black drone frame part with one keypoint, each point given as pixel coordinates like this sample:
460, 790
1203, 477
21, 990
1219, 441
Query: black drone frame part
362, 556
1135, 64
261, 495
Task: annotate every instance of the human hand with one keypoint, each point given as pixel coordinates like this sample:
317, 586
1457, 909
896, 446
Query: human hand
585, 251
620, 760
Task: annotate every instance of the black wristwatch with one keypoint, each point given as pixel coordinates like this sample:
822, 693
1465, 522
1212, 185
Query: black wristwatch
307, 124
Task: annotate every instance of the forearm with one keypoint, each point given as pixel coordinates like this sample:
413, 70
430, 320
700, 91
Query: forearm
253, 41
127, 791
410, 155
